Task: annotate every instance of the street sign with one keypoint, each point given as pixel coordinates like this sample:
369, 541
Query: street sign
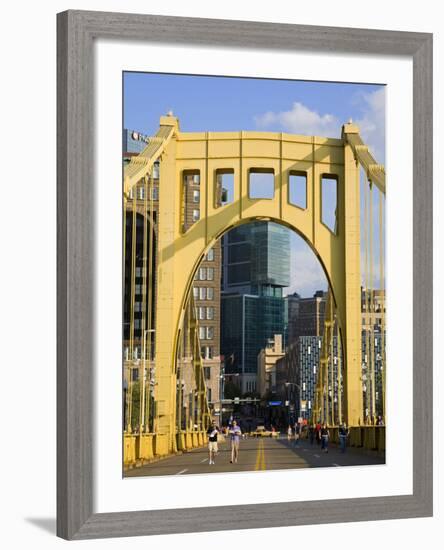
274, 403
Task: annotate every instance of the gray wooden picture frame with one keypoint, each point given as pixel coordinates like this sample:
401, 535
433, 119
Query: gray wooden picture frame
76, 32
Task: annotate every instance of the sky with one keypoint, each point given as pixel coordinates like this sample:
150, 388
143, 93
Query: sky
208, 103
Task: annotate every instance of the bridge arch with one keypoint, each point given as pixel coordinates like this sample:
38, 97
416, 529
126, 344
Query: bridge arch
215, 239
182, 248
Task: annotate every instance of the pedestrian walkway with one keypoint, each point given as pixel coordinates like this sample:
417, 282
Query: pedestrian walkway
258, 454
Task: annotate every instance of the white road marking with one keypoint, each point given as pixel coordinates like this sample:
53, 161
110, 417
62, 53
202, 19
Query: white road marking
317, 456
204, 460
333, 464
182, 471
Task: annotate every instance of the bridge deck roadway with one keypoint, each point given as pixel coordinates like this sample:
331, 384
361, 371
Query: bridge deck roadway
258, 454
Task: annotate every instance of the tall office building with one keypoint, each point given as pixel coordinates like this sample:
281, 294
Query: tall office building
256, 259
297, 374
256, 269
305, 315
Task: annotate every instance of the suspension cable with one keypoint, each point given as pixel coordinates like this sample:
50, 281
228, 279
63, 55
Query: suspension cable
382, 305
372, 309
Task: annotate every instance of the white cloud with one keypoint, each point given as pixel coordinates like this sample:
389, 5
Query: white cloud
372, 122
300, 120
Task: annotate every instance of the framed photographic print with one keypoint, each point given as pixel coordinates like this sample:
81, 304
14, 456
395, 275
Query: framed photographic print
244, 290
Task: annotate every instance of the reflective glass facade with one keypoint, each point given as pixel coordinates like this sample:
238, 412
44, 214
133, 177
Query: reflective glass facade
256, 268
248, 323
257, 259
133, 142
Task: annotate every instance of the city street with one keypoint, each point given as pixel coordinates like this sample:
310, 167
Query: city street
258, 454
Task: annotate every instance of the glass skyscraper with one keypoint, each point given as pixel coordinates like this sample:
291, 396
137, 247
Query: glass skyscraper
256, 269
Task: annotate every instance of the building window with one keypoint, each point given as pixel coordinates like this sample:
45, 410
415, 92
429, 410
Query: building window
202, 273
201, 333
210, 313
314, 369
126, 353
201, 313
207, 373
141, 193
196, 195
196, 292
210, 293
210, 255
206, 352
196, 215
210, 273
202, 293
154, 194
210, 333
196, 179
209, 395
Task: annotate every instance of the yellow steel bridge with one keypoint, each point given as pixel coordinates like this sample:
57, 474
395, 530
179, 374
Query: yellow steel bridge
162, 349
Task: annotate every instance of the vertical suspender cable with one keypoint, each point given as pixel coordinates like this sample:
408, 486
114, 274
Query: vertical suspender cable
364, 293
143, 378
372, 309
132, 300
382, 300
150, 294
339, 375
332, 364
126, 305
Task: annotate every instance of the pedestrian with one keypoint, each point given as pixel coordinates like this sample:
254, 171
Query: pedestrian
311, 433
297, 433
212, 433
343, 434
289, 433
318, 432
235, 434
325, 434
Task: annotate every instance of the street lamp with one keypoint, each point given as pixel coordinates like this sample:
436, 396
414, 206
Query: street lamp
142, 412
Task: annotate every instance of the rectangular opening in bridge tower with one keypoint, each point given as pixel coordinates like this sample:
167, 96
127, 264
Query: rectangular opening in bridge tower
297, 188
329, 202
261, 183
224, 190
190, 198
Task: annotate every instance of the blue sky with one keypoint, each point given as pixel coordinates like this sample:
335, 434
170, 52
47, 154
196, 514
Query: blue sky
205, 103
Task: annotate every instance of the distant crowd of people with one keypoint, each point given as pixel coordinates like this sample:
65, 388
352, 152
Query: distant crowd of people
317, 432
